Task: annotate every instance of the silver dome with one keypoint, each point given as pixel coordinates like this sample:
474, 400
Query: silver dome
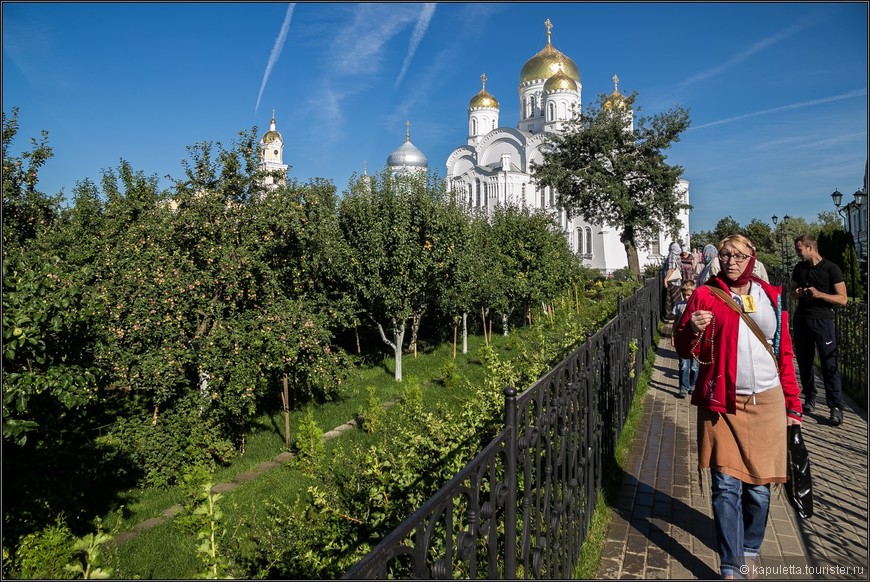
407, 155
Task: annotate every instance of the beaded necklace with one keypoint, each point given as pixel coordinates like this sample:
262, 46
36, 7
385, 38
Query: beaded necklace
700, 337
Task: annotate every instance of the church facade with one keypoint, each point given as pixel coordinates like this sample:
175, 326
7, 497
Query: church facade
494, 166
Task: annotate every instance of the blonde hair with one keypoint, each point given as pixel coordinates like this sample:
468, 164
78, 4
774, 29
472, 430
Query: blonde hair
738, 241
687, 286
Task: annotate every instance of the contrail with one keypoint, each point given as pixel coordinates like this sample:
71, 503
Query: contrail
276, 51
849, 95
419, 32
755, 48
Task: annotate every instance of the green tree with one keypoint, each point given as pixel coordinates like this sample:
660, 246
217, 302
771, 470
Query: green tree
533, 258
838, 246
26, 210
617, 177
390, 225
724, 227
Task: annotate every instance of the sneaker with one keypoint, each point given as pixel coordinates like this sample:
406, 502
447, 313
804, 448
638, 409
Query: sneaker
682, 393
809, 405
836, 416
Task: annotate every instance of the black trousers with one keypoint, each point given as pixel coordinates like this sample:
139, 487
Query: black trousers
818, 334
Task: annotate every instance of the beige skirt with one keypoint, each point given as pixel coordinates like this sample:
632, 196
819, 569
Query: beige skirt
749, 445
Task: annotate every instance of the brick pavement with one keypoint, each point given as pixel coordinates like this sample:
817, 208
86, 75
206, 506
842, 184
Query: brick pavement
663, 528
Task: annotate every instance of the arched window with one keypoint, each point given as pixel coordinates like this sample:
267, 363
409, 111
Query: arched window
551, 111
473, 126
588, 240
543, 192
532, 105
563, 110
477, 192
493, 124
579, 240
552, 196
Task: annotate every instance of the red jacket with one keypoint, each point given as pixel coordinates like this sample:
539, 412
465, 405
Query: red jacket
717, 380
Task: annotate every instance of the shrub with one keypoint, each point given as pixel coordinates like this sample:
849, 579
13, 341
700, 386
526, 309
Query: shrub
369, 415
182, 438
449, 374
309, 442
43, 554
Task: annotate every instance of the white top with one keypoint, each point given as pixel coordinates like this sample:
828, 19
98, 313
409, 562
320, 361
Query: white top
756, 370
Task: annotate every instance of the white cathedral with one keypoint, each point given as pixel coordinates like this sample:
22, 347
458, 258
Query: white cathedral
494, 167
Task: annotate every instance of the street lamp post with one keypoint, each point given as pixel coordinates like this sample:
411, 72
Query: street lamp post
860, 199
838, 199
783, 253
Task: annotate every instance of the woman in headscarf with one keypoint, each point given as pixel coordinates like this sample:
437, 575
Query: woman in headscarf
673, 280
707, 257
736, 327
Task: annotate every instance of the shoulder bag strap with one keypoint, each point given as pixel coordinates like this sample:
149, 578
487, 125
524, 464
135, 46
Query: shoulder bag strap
749, 321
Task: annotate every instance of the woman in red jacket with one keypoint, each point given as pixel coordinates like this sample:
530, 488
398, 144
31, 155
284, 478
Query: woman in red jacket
746, 393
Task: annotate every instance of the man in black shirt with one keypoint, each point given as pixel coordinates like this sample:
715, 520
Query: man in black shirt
817, 285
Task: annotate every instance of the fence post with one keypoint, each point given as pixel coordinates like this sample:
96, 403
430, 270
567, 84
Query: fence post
510, 506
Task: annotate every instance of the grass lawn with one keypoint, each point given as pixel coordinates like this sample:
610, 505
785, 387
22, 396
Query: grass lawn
165, 552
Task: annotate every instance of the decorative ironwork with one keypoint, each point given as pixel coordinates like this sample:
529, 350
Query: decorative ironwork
851, 324
523, 506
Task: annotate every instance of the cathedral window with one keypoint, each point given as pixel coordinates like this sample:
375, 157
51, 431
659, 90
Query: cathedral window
477, 194
588, 240
543, 192
532, 105
473, 126
551, 111
579, 246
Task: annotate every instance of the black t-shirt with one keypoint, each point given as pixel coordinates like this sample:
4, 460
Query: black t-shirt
822, 277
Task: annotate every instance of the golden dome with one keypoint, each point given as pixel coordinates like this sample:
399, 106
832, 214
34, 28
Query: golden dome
547, 63
272, 134
560, 82
615, 99
483, 99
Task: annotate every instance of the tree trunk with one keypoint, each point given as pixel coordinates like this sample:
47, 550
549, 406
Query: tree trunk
465, 333
399, 338
285, 400
483, 318
415, 326
631, 254
504, 323
455, 330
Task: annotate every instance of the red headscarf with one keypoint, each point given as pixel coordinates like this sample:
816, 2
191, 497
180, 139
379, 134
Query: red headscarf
744, 277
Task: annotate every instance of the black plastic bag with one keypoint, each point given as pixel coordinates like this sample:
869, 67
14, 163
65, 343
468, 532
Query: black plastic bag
799, 486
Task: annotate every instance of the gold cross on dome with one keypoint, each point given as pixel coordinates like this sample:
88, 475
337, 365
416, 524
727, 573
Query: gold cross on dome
615, 83
483, 79
407, 131
549, 26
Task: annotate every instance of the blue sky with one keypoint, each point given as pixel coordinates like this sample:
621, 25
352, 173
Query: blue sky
777, 92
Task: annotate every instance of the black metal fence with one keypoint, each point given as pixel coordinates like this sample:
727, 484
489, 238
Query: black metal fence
523, 507
851, 323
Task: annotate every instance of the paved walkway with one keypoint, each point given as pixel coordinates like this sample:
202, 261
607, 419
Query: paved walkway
663, 526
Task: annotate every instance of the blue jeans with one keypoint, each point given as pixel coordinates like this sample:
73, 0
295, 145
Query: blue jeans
688, 374
740, 514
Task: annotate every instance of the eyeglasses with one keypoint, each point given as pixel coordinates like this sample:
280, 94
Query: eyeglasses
738, 258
